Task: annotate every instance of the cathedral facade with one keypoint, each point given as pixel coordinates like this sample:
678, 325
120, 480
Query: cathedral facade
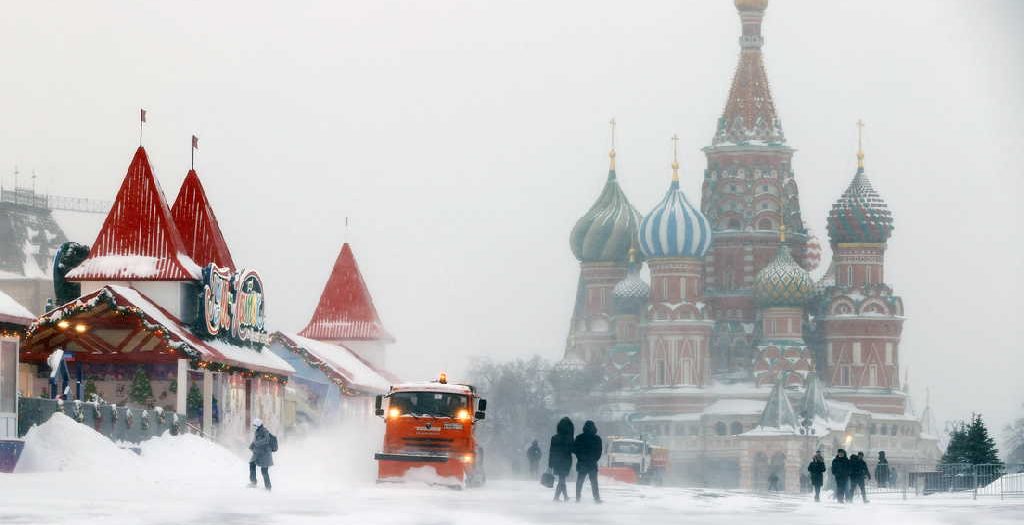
732, 355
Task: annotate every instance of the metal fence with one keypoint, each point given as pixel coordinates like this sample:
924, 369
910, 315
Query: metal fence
958, 479
121, 424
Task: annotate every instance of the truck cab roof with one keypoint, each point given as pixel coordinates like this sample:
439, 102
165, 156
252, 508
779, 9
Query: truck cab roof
433, 386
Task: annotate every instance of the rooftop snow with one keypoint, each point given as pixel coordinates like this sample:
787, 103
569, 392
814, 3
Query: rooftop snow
13, 312
344, 362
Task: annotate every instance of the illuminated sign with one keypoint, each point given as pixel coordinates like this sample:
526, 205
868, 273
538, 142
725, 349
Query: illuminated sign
231, 305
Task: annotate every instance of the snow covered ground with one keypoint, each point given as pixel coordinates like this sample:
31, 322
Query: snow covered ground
324, 479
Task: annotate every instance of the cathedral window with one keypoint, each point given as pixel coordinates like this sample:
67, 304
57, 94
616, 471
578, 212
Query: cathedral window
720, 429
765, 224
872, 375
659, 372
849, 276
734, 224
844, 376
736, 428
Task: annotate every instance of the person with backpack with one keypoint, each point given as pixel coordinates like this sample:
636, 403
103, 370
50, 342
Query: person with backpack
263, 445
858, 471
587, 448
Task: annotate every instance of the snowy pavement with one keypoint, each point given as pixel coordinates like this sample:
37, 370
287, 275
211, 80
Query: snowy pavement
187, 480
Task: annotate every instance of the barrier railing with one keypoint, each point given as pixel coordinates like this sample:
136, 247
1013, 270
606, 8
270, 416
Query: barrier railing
121, 424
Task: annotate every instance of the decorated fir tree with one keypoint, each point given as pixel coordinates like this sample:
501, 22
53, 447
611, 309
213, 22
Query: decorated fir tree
141, 391
194, 402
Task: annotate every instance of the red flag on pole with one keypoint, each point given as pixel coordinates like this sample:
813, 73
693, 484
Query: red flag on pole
195, 142
142, 115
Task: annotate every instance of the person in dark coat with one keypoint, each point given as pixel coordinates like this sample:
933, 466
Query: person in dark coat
587, 448
817, 471
262, 456
882, 470
858, 471
560, 455
533, 456
841, 472
773, 482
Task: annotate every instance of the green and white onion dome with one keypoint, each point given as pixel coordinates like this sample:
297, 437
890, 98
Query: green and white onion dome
609, 228
860, 215
783, 282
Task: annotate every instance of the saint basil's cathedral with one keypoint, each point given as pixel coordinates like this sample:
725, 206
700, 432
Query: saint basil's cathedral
733, 356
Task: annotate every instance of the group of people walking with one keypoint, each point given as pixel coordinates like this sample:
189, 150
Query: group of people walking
586, 447
850, 473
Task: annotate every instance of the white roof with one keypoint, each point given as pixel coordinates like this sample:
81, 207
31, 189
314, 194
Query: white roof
737, 407
12, 311
345, 362
432, 387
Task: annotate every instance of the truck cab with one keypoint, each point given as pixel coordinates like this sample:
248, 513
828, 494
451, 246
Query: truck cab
633, 460
429, 434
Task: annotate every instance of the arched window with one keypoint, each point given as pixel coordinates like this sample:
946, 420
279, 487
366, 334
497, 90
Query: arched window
736, 428
734, 224
765, 224
720, 428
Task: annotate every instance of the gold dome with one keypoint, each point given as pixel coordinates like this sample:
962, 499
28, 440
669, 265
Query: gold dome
751, 5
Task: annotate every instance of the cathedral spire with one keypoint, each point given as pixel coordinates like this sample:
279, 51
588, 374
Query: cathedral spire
860, 145
749, 116
675, 158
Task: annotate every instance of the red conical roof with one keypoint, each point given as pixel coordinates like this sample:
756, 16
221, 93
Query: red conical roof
198, 225
138, 240
346, 310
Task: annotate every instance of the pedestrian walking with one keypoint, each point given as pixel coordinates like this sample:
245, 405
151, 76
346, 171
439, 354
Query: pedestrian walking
263, 446
882, 470
587, 448
533, 457
858, 472
560, 455
841, 473
817, 471
773, 482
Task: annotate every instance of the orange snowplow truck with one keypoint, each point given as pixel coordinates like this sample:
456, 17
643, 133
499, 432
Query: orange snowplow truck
429, 436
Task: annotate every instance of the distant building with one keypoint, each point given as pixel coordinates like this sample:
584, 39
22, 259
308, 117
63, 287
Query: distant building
733, 356
32, 227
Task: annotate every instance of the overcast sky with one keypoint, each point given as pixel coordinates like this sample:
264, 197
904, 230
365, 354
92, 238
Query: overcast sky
465, 138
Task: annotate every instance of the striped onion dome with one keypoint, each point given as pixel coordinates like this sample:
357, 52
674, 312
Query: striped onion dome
783, 282
608, 229
675, 228
631, 293
860, 215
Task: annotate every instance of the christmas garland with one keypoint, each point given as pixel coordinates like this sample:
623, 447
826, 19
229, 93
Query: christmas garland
319, 364
58, 315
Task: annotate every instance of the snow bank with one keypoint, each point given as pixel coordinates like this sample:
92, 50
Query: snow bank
61, 444
190, 460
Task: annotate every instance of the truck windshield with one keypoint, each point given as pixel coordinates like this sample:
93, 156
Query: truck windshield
626, 447
433, 404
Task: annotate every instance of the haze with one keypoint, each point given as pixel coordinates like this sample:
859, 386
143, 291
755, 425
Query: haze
464, 138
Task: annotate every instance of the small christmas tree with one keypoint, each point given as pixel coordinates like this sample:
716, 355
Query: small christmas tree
141, 390
194, 402
90, 389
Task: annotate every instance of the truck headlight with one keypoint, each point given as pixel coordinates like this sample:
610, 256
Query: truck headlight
468, 458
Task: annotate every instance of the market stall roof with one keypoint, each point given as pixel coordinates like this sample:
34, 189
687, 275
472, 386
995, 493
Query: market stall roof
337, 362
346, 310
139, 240
115, 301
12, 312
198, 225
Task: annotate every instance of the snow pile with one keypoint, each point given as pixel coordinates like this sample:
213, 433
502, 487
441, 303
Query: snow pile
180, 458
61, 444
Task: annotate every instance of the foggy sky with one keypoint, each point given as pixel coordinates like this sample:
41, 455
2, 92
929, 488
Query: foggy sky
465, 138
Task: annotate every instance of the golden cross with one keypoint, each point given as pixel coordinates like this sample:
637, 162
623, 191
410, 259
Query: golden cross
860, 143
675, 157
612, 123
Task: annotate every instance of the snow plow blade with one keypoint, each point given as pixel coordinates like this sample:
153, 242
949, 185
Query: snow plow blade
620, 474
411, 458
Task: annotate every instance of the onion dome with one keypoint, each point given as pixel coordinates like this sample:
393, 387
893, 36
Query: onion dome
675, 228
860, 215
609, 228
751, 5
783, 282
812, 252
630, 294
